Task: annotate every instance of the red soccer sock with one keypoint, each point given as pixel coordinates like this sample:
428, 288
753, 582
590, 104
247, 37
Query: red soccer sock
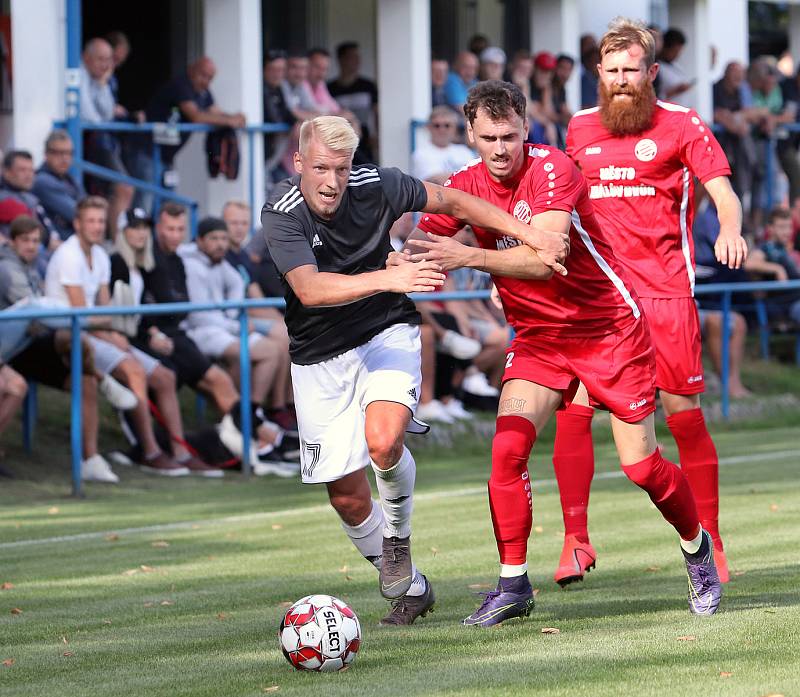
700, 464
510, 487
573, 462
669, 490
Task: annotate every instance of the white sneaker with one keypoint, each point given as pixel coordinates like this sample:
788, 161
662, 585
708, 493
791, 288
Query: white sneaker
458, 346
434, 411
231, 438
118, 396
456, 409
477, 384
96, 469
279, 469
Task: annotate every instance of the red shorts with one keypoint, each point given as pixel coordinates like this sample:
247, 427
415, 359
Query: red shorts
618, 369
675, 329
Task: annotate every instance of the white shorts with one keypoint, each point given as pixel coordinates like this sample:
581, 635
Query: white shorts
331, 398
213, 341
107, 356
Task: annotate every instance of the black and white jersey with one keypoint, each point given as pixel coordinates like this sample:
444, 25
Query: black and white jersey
355, 240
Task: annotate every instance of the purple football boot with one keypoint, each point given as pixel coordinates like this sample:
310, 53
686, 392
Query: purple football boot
512, 598
705, 589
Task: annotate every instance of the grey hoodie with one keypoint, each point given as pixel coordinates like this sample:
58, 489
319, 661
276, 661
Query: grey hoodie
18, 280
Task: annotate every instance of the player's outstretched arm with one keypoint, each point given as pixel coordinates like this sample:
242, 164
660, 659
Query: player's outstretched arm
730, 247
322, 289
516, 262
551, 246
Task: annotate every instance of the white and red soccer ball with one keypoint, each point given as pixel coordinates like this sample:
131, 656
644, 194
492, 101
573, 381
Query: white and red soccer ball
320, 633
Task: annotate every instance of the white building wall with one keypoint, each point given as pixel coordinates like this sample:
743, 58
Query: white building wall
728, 32
38, 40
553, 27
594, 15
354, 20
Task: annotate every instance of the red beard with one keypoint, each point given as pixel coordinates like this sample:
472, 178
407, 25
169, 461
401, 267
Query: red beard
629, 116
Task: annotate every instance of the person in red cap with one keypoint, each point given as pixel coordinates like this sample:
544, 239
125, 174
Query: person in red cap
541, 107
10, 210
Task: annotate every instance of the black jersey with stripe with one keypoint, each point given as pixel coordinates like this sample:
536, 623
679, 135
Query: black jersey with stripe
355, 240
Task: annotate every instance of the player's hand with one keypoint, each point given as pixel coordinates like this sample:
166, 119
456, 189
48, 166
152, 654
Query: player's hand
162, 344
445, 251
398, 258
552, 247
731, 250
419, 277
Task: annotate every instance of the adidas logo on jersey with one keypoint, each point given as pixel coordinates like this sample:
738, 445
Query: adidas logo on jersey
316, 242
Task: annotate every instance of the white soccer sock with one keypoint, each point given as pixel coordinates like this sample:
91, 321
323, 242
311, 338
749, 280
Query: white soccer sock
418, 584
368, 536
396, 489
693, 546
511, 570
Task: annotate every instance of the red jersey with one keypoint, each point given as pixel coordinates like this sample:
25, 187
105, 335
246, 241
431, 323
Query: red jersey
595, 297
641, 187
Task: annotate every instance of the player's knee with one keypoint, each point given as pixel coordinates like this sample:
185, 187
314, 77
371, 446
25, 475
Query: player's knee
352, 509
511, 445
647, 473
385, 449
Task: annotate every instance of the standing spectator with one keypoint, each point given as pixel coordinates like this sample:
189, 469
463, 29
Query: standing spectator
563, 72
298, 99
477, 43
674, 81
78, 274
493, 63
437, 160
13, 389
120, 50
319, 63
359, 95
790, 89
186, 99
17, 184
276, 111
544, 128
463, 76
99, 106
210, 278
45, 359
590, 58
736, 140
439, 70
57, 190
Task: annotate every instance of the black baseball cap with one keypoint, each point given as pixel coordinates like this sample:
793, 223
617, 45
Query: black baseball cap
210, 224
137, 217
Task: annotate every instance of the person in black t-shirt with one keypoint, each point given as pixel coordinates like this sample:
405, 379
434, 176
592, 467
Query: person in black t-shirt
358, 95
354, 336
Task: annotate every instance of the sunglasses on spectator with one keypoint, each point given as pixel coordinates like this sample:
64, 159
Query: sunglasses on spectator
442, 124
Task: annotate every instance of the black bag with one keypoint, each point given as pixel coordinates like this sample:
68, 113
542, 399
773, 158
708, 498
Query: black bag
222, 148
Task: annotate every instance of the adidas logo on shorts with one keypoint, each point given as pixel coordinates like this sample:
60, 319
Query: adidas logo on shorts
413, 392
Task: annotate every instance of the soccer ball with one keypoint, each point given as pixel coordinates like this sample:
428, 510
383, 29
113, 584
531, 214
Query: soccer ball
320, 633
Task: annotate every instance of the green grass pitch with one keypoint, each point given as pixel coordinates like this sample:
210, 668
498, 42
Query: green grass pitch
177, 587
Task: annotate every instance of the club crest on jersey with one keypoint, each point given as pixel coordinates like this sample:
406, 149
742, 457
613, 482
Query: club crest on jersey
645, 150
522, 212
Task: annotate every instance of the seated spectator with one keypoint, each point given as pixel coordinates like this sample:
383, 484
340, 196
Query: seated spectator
437, 160
276, 111
298, 99
17, 184
520, 71
736, 119
268, 320
774, 259
439, 71
461, 78
185, 99
492, 63
674, 81
541, 108
44, 358
211, 279
166, 283
319, 63
78, 274
590, 59
99, 106
13, 389
711, 329
10, 210
358, 95
120, 51
134, 256
57, 190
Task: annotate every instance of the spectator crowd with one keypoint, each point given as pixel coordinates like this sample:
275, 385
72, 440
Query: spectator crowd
71, 242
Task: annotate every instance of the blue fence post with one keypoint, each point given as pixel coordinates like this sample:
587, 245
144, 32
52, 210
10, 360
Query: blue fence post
725, 357
72, 93
76, 415
29, 412
251, 173
193, 221
158, 175
769, 163
244, 389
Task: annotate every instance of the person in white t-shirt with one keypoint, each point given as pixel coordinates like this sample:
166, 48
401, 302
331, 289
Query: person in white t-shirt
78, 274
437, 160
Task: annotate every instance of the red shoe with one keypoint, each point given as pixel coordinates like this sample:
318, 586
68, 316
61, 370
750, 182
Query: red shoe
721, 562
576, 558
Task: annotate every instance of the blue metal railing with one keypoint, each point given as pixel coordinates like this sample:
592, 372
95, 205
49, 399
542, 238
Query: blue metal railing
725, 290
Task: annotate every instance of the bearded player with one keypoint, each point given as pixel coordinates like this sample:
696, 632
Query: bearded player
639, 157
584, 326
